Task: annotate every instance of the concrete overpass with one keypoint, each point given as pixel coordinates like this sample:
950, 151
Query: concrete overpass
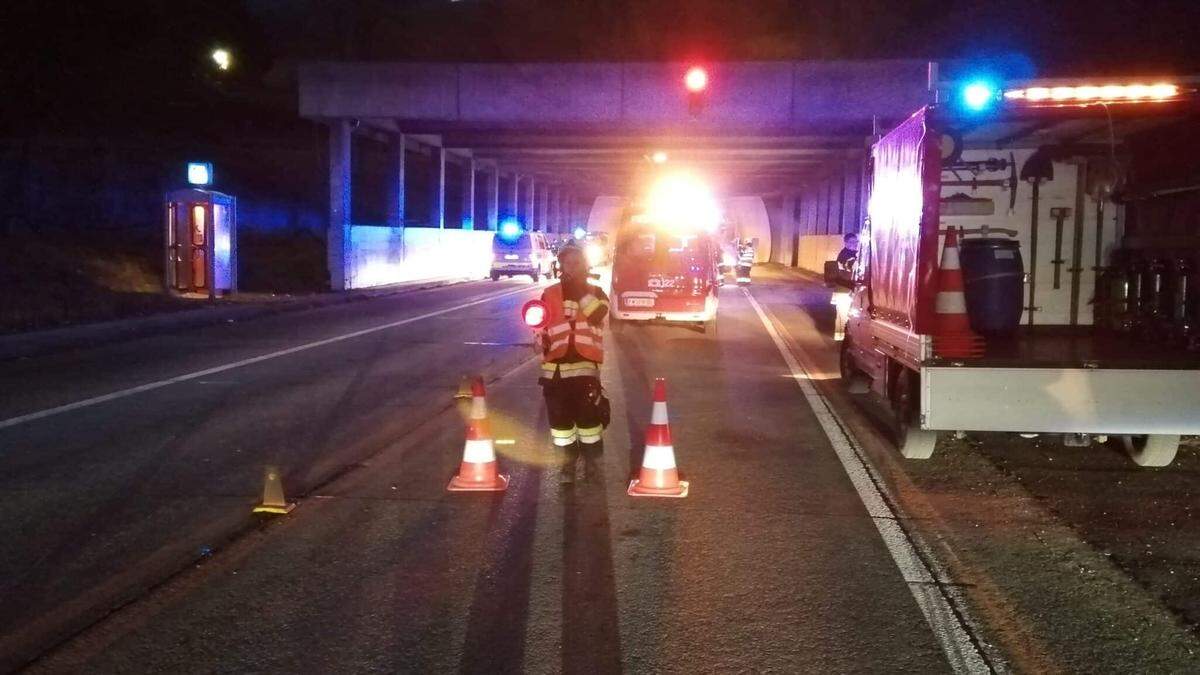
539, 141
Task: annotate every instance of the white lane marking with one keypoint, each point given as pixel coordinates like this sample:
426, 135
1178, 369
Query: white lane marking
150, 386
943, 620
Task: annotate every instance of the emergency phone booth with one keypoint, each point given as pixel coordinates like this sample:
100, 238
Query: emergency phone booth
201, 242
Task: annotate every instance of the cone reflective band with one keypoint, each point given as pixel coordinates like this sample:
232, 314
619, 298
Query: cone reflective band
535, 314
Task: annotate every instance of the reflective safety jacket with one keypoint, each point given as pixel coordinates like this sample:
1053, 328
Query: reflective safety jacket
568, 327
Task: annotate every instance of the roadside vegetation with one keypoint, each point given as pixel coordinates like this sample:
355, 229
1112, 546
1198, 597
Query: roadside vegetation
56, 279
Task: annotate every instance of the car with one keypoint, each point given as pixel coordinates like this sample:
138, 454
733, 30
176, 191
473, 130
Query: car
521, 254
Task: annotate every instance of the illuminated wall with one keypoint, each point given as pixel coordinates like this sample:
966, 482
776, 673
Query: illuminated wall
385, 255
748, 218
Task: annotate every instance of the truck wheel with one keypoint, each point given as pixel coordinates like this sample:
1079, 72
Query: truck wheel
1151, 450
912, 441
495, 276
535, 276
853, 378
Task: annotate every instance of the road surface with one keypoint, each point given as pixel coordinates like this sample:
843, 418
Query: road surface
127, 475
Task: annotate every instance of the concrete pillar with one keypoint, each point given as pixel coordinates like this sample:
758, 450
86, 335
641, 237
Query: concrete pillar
468, 195
437, 210
514, 204
493, 199
543, 207
788, 212
395, 187
337, 241
532, 224
556, 209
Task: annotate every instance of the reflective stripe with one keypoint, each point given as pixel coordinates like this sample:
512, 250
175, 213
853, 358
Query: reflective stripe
950, 258
479, 452
658, 413
950, 303
570, 367
591, 372
591, 435
584, 340
558, 328
659, 457
563, 437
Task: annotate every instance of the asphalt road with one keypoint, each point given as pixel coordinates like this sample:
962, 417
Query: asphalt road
805, 544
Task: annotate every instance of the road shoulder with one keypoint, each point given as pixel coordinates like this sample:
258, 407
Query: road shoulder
1040, 592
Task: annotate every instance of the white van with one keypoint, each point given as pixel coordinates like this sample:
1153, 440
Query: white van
525, 254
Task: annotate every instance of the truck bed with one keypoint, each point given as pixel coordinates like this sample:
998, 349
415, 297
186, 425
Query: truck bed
1082, 346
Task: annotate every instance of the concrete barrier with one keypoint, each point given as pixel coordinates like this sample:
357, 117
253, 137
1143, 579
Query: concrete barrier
815, 249
389, 255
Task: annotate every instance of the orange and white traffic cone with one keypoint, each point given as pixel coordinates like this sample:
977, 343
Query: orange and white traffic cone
658, 477
477, 473
952, 334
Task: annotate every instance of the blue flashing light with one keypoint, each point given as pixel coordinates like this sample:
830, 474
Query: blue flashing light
511, 230
979, 95
580, 233
199, 173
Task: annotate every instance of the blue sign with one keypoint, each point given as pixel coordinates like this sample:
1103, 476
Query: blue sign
199, 173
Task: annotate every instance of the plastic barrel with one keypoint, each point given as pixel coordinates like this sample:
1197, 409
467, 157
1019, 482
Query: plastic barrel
994, 280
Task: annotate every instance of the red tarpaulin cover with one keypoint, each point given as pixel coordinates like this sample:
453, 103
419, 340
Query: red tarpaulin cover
903, 208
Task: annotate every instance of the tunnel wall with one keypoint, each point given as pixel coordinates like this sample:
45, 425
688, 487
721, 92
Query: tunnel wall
824, 209
389, 255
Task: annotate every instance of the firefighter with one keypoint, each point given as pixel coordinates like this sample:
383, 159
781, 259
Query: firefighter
849, 252
572, 345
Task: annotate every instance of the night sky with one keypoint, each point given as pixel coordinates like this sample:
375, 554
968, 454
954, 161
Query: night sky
69, 63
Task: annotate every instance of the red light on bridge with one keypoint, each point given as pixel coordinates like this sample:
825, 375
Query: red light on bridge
696, 79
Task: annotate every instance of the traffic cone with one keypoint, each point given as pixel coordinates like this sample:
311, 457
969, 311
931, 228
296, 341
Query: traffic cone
273, 500
658, 477
952, 334
477, 473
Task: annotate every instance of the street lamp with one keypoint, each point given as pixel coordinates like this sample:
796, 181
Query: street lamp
222, 58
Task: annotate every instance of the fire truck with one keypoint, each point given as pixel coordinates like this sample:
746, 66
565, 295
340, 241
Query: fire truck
666, 257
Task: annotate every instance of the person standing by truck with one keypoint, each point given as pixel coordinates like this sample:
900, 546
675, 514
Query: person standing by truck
849, 252
572, 345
